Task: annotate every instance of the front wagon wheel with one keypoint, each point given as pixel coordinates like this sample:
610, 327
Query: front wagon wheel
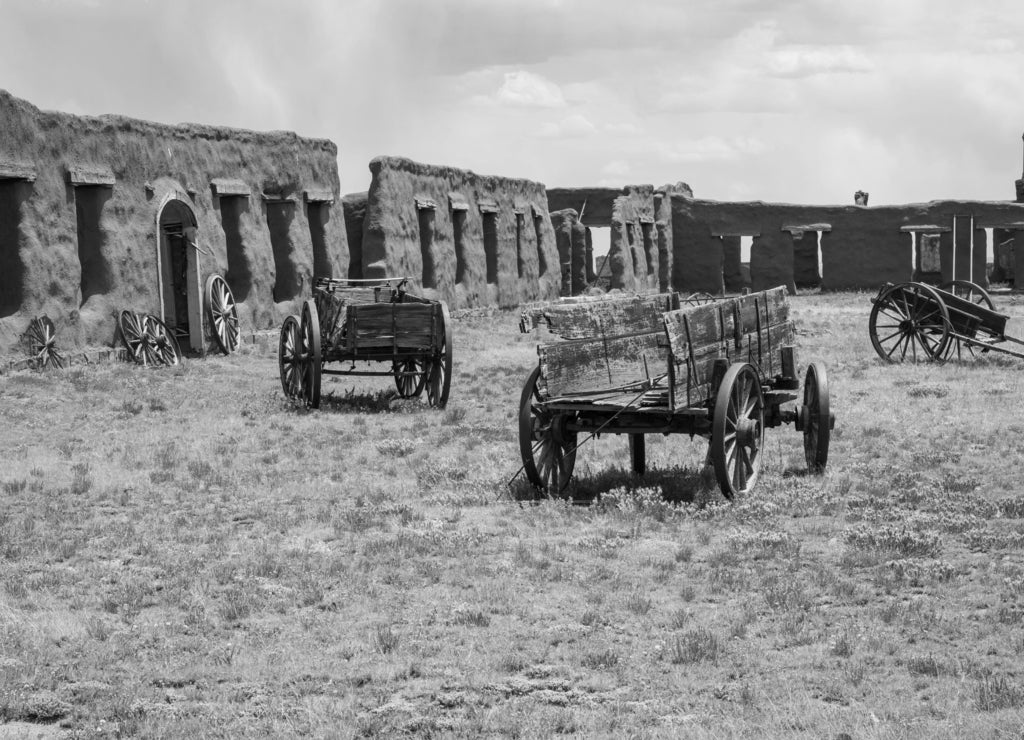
737, 430
547, 448
439, 380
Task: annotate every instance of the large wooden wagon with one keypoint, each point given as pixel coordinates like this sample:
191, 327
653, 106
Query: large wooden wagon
649, 365
375, 321
915, 322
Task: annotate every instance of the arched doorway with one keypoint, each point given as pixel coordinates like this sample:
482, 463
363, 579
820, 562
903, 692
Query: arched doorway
178, 272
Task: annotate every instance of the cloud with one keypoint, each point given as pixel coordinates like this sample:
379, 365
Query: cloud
805, 61
573, 127
710, 149
529, 90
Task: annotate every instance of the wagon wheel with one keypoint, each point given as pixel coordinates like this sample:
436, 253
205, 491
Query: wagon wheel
547, 448
909, 318
698, 299
970, 291
40, 336
309, 359
410, 376
133, 334
159, 344
815, 418
737, 430
222, 314
638, 453
439, 380
288, 349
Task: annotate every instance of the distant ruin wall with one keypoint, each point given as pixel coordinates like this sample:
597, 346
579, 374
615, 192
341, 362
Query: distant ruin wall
860, 247
490, 242
80, 199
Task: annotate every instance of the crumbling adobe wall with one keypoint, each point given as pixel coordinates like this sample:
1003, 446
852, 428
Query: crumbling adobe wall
490, 238
571, 237
861, 247
85, 193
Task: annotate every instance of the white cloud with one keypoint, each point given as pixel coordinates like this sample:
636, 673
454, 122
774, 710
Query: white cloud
804, 61
523, 88
573, 127
710, 149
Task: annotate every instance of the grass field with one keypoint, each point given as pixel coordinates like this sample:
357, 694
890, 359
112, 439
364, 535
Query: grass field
183, 553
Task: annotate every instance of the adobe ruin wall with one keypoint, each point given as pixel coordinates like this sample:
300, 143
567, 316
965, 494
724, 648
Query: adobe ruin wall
861, 247
470, 240
81, 199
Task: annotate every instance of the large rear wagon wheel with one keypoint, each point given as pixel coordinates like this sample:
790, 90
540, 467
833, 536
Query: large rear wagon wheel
289, 346
222, 314
310, 360
909, 322
439, 374
410, 376
737, 430
816, 418
547, 448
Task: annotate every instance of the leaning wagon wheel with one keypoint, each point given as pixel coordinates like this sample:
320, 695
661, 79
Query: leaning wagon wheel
133, 334
159, 345
309, 354
970, 291
439, 380
698, 299
638, 453
40, 338
548, 449
410, 376
222, 314
909, 319
815, 418
288, 350
737, 430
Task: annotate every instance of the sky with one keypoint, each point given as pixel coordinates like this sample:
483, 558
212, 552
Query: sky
776, 100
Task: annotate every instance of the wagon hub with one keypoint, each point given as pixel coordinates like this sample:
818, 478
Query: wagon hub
748, 433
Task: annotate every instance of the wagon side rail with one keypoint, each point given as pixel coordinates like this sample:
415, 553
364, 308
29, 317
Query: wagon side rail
583, 319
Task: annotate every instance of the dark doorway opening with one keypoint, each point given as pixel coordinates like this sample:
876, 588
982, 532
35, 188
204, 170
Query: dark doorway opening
92, 240
13, 193
459, 237
288, 282
538, 230
429, 273
520, 262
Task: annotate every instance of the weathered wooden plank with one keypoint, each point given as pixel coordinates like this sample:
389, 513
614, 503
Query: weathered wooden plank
692, 374
409, 327
606, 318
697, 324
594, 365
766, 308
762, 349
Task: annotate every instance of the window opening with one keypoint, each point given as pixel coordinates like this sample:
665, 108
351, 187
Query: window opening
12, 269
650, 251
746, 245
92, 240
491, 245
426, 222
600, 239
287, 283
239, 275
520, 220
459, 237
318, 213
542, 261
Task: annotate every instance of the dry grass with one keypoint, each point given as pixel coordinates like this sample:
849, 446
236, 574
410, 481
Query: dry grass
182, 553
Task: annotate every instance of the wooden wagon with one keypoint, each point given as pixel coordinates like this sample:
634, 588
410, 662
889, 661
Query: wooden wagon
350, 321
915, 322
649, 365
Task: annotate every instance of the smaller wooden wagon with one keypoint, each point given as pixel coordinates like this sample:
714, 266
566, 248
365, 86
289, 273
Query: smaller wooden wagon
647, 365
915, 322
349, 321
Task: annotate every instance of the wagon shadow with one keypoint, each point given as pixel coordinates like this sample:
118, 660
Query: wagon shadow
375, 402
676, 485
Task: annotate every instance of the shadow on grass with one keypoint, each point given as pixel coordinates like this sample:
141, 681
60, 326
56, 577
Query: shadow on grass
677, 486
376, 402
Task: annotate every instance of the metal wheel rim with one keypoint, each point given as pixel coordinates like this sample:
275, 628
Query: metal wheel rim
223, 314
41, 336
547, 463
310, 354
970, 291
440, 371
818, 422
919, 327
737, 430
133, 334
161, 348
410, 376
288, 360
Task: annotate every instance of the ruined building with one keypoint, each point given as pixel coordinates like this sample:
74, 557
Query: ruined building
102, 214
